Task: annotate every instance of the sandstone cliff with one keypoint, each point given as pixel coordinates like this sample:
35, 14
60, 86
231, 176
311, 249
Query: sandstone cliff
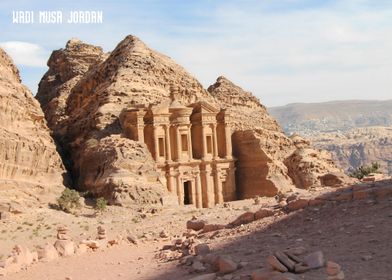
66, 68
105, 162
268, 161
31, 171
132, 74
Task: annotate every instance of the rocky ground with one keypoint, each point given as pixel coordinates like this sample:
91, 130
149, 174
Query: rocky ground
351, 226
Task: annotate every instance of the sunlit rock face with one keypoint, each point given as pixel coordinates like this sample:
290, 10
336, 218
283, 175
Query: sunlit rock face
31, 170
85, 92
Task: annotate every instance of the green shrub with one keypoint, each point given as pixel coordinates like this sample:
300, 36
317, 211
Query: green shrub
364, 170
69, 199
100, 204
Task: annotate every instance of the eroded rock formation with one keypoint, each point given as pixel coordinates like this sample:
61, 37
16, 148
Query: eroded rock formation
132, 74
31, 171
268, 161
358, 147
66, 67
103, 158
308, 166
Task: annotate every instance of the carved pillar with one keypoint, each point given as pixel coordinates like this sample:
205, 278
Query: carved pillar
218, 187
204, 143
190, 143
178, 136
167, 143
180, 193
140, 126
169, 182
215, 142
199, 198
193, 190
140, 133
233, 183
210, 191
228, 141
156, 145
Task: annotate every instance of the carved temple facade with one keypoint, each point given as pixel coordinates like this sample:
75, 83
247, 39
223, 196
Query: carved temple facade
192, 147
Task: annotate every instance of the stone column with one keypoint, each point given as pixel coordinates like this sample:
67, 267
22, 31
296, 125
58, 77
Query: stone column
233, 183
218, 187
204, 143
169, 182
140, 127
190, 143
193, 191
210, 192
178, 136
215, 142
156, 146
180, 193
199, 198
167, 143
228, 141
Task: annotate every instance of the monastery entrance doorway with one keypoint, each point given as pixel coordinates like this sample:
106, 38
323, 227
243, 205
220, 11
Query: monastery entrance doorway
187, 193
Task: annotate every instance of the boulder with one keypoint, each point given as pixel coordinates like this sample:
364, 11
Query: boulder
212, 227
245, 218
65, 248
263, 213
202, 249
332, 268
276, 264
226, 265
315, 260
195, 224
47, 253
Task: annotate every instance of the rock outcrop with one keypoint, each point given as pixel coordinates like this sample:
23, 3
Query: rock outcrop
104, 161
31, 170
268, 161
131, 74
66, 68
310, 167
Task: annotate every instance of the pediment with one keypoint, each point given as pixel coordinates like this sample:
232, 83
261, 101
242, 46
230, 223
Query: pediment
204, 108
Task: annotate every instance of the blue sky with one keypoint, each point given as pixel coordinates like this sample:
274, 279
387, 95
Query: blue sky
283, 51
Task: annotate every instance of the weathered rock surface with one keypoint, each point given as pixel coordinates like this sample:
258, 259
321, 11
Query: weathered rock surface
102, 161
66, 67
31, 171
127, 172
268, 161
84, 109
310, 167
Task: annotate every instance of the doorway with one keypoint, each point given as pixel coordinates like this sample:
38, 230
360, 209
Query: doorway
187, 193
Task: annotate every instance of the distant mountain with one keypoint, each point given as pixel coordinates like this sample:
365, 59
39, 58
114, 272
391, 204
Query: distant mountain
356, 132
358, 146
310, 118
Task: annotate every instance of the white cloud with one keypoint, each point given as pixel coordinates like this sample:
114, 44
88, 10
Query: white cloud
339, 51
26, 54
283, 51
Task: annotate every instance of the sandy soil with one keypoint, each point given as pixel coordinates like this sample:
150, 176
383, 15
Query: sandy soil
354, 234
